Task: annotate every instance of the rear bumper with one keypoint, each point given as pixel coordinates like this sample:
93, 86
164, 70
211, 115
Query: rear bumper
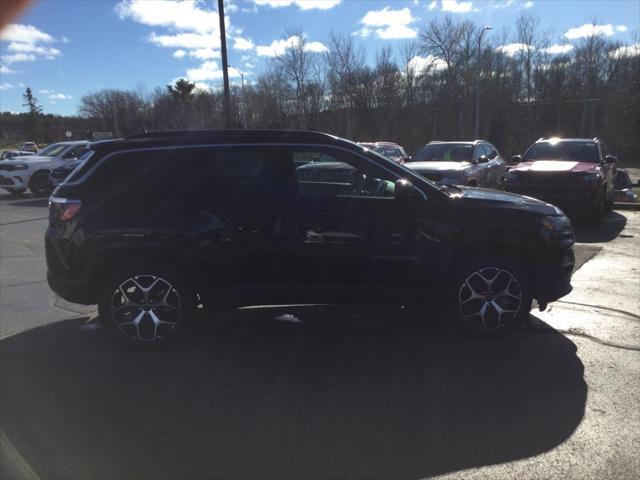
71, 290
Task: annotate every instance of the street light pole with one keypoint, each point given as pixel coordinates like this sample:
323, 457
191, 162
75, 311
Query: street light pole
477, 129
225, 67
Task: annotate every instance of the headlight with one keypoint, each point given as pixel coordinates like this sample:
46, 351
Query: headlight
560, 230
590, 178
555, 222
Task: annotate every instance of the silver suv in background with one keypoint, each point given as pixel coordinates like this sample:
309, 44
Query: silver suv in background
474, 164
32, 171
390, 150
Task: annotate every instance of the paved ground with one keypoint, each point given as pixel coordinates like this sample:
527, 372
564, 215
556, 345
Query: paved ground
359, 392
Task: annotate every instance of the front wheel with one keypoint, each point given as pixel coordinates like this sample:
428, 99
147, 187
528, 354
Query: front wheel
489, 296
40, 184
145, 306
597, 211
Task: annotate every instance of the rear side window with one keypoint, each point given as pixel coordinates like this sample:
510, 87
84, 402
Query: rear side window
191, 175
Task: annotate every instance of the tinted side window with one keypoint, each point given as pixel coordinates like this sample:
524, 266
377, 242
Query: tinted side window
337, 173
147, 177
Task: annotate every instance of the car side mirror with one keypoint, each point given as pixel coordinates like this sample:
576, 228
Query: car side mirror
516, 159
610, 159
404, 190
483, 159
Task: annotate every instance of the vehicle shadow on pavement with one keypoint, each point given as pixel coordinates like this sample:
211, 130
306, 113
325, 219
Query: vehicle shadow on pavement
612, 224
32, 202
325, 392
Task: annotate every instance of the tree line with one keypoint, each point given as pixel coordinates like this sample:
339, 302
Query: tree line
425, 90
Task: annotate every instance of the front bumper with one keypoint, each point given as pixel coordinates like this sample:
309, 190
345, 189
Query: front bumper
12, 181
568, 199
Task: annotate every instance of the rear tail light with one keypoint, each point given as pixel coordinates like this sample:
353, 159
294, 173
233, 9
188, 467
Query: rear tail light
63, 209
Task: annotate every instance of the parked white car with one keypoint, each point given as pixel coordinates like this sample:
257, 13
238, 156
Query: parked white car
32, 171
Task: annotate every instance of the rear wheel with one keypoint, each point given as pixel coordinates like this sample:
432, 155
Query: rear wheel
146, 306
40, 184
489, 296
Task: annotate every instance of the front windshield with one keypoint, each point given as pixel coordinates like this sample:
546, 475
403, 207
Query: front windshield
444, 152
53, 150
569, 151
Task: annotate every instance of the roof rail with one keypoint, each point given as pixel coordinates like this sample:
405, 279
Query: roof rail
170, 133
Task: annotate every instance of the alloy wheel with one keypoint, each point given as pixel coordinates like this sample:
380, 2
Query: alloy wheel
490, 298
146, 308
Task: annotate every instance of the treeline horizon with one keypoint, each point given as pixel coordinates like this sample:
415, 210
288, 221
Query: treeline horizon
424, 90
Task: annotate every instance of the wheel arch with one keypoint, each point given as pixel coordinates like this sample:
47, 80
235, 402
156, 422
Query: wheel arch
521, 251
110, 259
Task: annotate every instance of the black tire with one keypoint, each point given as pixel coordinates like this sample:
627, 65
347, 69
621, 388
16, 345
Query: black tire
16, 191
142, 324
504, 295
40, 184
597, 212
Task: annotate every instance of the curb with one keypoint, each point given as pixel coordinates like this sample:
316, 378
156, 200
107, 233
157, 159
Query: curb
626, 206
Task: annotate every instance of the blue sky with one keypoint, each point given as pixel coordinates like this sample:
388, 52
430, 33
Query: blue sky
64, 49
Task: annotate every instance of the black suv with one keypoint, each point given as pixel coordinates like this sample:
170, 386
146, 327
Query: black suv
577, 174
155, 225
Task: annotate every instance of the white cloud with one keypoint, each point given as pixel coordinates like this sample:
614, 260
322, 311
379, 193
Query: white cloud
278, 47
179, 54
5, 86
186, 40
24, 34
6, 70
387, 16
513, 49
27, 44
387, 24
240, 43
19, 57
454, 6
205, 53
528, 4
433, 5
181, 15
558, 49
60, 96
393, 32
53, 96
46, 52
626, 51
208, 71
589, 30
621, 28
303, 4
503, 4
426, 64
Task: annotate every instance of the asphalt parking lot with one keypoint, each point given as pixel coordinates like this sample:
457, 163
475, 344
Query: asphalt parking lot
323, 391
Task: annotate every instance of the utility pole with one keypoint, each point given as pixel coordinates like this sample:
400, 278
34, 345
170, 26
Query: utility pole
477, 129
225, 66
